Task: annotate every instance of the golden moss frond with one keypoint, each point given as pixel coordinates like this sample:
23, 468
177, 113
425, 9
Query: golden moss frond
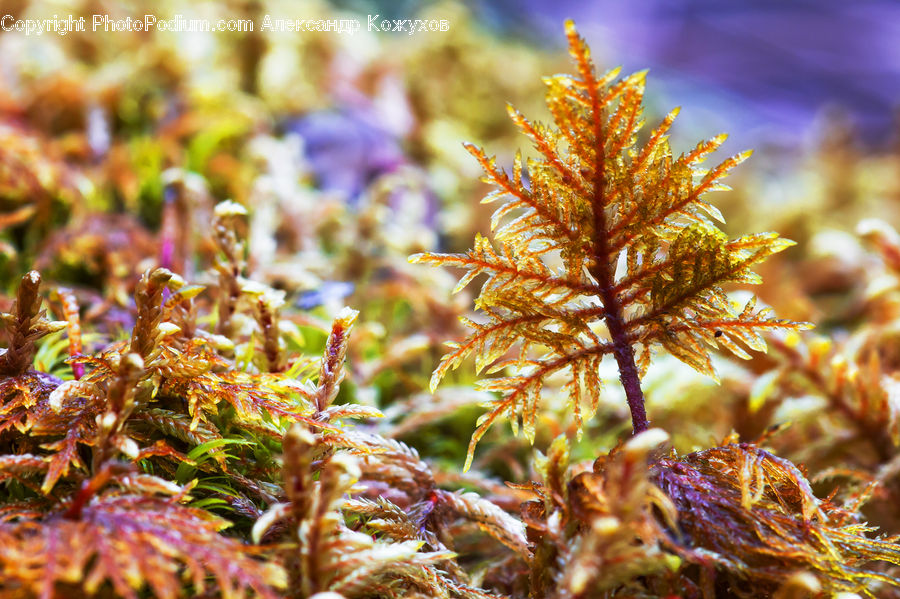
25, 324
601, 247
754, 516
253, 397
331, 372
130, 543
231, 263
329, 557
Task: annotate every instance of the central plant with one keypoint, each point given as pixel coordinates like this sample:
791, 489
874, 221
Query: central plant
606, 248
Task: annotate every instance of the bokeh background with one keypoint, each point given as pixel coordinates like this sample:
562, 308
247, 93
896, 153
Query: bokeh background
785, 77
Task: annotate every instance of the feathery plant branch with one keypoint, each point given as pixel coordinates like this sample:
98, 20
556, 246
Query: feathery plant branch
230, 266
25, 324
605, 248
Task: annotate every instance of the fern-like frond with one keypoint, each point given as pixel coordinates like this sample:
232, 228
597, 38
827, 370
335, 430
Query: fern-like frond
331, 371
19, 395
252, 396
330, 557
600, 247
131, 543
754, 516
25, 324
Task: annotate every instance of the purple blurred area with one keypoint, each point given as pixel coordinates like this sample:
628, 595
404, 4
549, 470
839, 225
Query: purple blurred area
345, 149
771, 66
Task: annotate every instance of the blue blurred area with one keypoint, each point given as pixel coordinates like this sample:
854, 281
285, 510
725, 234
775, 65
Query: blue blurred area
771, 66
327, 293
346, 149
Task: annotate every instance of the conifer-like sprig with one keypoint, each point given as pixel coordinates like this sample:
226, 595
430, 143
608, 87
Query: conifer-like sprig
602, 247
25, 324
136, 546
330, 557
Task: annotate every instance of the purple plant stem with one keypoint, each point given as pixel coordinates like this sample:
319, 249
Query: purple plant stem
603, 271
624, 352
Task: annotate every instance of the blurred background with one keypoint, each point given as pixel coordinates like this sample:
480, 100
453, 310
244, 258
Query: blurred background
768, 70
787, 77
